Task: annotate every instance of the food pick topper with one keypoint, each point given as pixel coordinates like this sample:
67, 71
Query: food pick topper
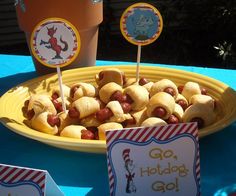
141, 24
55, 43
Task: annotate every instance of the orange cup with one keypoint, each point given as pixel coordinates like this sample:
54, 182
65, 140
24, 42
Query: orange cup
84, 15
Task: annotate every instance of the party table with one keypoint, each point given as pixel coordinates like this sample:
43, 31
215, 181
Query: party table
79, 173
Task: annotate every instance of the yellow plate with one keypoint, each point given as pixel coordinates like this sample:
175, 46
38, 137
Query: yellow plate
12, 102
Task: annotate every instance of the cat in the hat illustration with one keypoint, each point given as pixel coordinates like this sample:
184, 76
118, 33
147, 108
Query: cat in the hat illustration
129, 166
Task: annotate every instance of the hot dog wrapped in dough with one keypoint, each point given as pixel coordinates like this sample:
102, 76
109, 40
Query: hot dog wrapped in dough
142, 82
40, 103
66, 120
164, 85
46, 122
137, 118
83, 107
118, 112
148, 86
182, 101
77, 131
109, 90
153, 121
190, 89
110, 75
161, 105
56, 92
176, 116
137, 96
114, 112
178, 112
107, 126
82, 89
130, 81
203, 99
58, 103
90, 121
200, 113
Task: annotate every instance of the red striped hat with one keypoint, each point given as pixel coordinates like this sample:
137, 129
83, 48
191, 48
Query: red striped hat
126, 155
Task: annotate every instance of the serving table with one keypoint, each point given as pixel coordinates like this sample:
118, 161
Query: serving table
78, 173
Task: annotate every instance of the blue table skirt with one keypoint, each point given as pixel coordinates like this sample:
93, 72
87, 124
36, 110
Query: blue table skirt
86, 174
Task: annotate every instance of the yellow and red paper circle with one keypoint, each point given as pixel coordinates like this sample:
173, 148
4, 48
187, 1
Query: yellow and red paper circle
55, 42
141, 24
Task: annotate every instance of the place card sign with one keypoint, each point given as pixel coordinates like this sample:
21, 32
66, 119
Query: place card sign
21, 181
162, 160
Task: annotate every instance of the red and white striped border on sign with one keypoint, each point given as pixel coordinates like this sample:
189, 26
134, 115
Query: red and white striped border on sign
144, 134
11, 175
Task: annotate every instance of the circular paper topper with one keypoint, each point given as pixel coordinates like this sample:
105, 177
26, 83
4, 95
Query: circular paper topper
141, 24
55, 42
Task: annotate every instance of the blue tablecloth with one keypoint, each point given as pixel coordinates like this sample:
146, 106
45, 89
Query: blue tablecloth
86, 174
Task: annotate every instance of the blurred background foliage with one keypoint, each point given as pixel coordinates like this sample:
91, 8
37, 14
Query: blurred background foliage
199, 33
195, 32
